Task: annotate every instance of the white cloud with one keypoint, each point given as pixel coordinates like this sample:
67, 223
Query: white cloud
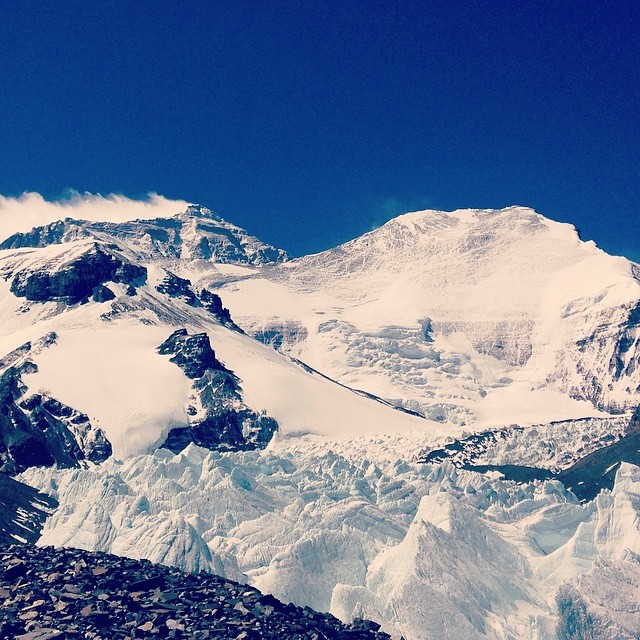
32, 210
384, 209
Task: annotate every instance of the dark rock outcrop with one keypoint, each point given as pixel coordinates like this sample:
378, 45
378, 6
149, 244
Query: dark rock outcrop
23, 511
56, 232
192, 353
176, 287
66, 593
38, 430
597, 471
103, 294
626, 345
219, 419
213, 303
80, 278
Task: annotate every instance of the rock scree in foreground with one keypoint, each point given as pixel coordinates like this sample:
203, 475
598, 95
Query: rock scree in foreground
67, 593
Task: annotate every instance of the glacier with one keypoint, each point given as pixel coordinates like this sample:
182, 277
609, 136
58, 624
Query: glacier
476, 317
428, 551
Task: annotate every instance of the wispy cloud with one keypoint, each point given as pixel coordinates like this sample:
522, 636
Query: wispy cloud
387, 208
32, 210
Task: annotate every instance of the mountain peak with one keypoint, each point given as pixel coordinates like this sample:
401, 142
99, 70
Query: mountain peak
200, 211
194, 234
498, 294
508, 221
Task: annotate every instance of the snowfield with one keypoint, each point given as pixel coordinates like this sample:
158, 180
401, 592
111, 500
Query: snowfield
113, 373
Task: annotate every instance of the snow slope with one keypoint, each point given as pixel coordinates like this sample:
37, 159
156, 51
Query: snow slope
105, 364
481, 317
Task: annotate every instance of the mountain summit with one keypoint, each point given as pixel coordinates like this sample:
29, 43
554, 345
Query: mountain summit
197, 233
450, 312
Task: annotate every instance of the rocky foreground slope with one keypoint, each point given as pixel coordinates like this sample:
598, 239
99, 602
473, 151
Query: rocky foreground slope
67, 594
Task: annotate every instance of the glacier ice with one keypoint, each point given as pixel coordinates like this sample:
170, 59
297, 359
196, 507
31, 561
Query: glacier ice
429, 551
514, 303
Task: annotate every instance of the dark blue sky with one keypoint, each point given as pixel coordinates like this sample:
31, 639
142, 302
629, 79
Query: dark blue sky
312, 122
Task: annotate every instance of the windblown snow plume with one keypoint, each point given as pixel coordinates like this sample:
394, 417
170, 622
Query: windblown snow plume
32, 210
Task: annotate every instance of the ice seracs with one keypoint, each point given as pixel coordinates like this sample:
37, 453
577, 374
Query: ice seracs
425, 550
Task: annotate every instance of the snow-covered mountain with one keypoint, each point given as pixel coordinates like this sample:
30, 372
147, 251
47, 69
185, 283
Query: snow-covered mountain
332, 470
473, 317
197, 233
95, 318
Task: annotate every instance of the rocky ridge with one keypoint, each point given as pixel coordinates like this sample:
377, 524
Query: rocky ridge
68, 593
195, 234
82, 277
176, 287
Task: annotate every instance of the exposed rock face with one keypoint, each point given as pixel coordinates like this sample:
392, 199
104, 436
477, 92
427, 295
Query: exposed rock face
91, 442
193, 354
627, 345
67, 593
196, 234
597, 471
176, 287
38, 430
104, 294
607, 359
219, 419
22, 511
80, 278
213, 303
54, 233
